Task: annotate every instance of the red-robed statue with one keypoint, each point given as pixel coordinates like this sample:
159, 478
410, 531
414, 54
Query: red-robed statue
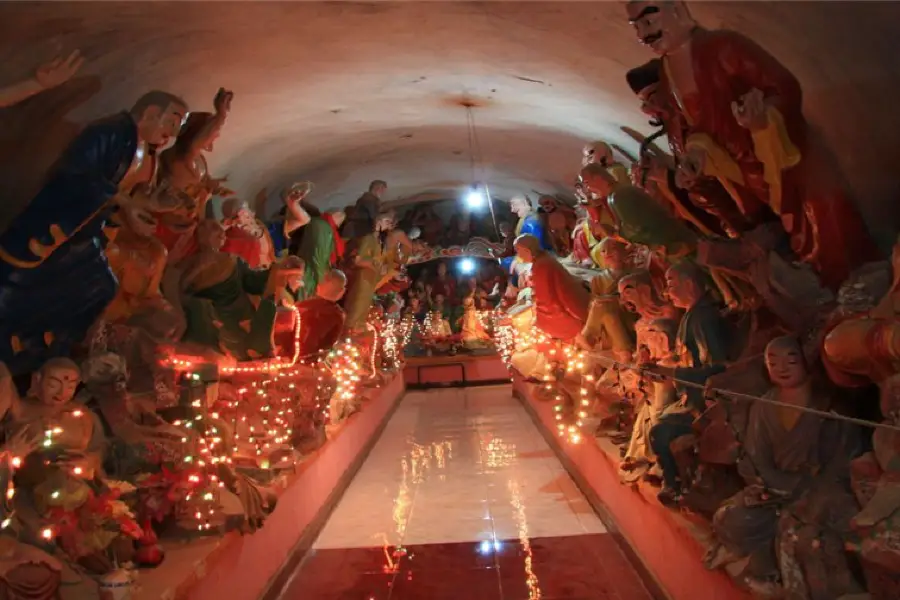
742, 122
561, 301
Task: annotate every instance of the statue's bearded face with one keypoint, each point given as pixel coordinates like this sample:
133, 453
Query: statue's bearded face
661, 25
633, 297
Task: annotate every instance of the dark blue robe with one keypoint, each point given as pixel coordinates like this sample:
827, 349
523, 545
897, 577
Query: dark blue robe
54, 277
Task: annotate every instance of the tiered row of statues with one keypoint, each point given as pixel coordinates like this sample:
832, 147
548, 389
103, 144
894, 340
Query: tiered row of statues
733, 323
732, 318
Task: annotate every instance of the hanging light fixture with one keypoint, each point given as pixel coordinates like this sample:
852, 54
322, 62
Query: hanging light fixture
479, 193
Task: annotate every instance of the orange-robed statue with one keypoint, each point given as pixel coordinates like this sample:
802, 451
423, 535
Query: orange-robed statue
561, 301
739, 119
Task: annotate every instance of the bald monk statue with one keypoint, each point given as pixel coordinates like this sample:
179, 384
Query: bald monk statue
561, 301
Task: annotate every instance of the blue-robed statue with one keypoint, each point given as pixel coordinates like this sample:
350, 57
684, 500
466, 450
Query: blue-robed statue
529, 223
54, 277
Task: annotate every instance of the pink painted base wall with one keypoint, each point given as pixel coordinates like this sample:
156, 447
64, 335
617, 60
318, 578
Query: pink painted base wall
487, 368
668, 551
247, 565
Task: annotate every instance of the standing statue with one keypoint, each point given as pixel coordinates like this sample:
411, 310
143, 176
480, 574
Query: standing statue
54, 277
322, 247
246, 236
561, 301
288, 226
528, 224
365, 213
183, 167
365, 267
742, 118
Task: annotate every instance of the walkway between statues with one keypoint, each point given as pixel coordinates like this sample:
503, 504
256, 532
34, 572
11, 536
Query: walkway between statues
463, 498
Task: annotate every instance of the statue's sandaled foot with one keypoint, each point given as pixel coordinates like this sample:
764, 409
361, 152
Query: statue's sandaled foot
884, 502
764, 587
718, 556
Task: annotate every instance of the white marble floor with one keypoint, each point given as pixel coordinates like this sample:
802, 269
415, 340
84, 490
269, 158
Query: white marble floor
459, 465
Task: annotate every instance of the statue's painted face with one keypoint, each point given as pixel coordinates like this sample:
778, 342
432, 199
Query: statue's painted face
158, 126
598, 152
613, 254
519, 207
141, 221
663, 26
442, 269
56, 386
786, 364
524, 253
680, 289
595, 183
632, 296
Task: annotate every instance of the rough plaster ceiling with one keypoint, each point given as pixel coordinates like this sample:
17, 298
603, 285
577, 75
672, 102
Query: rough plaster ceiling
342, 93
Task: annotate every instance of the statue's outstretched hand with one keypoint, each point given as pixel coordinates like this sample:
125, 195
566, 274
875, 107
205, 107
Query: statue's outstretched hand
222, 101
59, 70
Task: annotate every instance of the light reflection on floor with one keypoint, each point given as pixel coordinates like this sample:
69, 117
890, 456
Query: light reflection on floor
462, 498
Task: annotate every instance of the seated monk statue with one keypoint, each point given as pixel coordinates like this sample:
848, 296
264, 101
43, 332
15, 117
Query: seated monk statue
792, 517
214, 289
397, 250
658, 337
703, 351
638, 295
25, 571
72, 435
53, 252
601, 153
183, 168
583, 240
246, 236
472, 330
608, 323
321, 318
561, 301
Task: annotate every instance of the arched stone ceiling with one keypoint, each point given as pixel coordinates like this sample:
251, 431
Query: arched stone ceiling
342, 93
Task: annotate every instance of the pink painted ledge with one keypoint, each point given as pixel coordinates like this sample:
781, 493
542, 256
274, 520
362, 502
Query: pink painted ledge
236, 567
659, 536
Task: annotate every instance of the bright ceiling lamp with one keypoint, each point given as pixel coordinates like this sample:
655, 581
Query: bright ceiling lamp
466, 266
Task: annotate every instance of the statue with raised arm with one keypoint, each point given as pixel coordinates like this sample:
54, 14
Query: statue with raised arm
54, 276
184, 169
741, 121
47, 76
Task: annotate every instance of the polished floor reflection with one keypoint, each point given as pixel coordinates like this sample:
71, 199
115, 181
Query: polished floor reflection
461, 498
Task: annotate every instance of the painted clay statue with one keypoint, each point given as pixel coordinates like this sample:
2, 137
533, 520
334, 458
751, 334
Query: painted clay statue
472, 329
365, 269
559, 222
322, 247
288, 228
528, 223
561, 301
246, 236
58, 241
321, 318
702, 200
742, 122
47, 76
797, 505
216, 286
602, 154
365, 213
183, 167
25, 571
608, 324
